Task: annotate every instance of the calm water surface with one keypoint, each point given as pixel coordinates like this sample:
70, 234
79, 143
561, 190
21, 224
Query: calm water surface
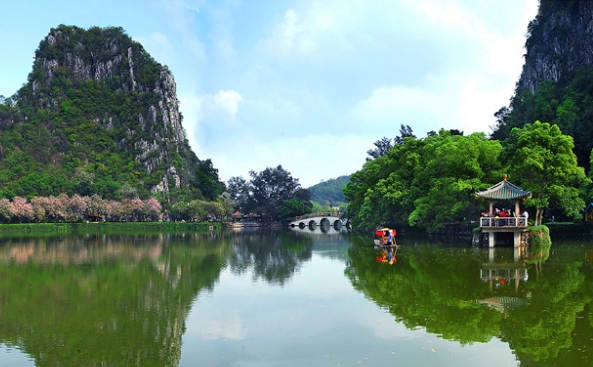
291, 298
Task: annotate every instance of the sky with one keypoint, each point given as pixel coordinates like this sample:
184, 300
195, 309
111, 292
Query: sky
308, 85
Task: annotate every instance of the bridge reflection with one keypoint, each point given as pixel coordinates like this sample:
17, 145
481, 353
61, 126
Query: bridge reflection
320, 230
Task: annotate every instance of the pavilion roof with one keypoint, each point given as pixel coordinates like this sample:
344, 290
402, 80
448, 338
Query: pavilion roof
503, 190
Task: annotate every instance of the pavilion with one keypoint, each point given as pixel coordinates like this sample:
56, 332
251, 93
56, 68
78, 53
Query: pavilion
492, 224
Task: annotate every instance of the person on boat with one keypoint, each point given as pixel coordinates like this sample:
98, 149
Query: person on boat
389, 238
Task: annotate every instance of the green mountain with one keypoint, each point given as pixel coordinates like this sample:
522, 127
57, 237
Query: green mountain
556, 84
96, 114
330, 192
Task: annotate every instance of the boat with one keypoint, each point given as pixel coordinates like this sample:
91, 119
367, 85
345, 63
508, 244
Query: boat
381, 241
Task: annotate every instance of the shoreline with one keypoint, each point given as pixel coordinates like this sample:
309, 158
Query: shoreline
108, 227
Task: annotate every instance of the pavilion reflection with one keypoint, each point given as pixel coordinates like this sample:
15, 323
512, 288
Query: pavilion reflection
505, 270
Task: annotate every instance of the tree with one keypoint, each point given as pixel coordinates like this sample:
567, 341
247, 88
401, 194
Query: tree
266, 191
424, 182
405, 131
128, 191
206, 178
289, 209
542, 160
239, 190
381, 148
270, 188
384, 145
227, 205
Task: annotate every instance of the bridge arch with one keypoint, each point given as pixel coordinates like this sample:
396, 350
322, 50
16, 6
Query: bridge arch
328, 219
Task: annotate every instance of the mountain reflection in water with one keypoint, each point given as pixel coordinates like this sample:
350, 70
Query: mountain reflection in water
293, 297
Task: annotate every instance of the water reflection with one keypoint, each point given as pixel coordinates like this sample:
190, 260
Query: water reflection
539, 304
273, 256
322, 230
126, 300
103, 300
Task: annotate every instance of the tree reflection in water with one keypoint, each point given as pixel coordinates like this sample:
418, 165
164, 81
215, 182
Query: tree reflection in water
124, 300
544, 308
103, 300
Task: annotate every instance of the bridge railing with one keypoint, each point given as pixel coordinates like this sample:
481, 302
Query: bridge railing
507, 222
319, 214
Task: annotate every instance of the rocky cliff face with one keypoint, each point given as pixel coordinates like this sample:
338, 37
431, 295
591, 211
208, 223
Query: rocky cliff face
560, 40
102, 76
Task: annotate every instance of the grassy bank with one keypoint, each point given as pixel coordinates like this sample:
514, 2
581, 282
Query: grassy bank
539, 236
109, 227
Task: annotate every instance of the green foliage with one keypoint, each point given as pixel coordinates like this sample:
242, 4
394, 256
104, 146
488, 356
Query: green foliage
107, 228
292, 208
267, 192
430, 182
568, 104
541, 160
539, 236
424, 182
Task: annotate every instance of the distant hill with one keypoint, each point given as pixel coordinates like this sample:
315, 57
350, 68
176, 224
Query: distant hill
98, 113
329, 192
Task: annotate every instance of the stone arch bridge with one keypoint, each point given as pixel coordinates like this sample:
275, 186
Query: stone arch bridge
322, 219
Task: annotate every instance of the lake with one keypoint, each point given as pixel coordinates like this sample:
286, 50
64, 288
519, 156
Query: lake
291, 298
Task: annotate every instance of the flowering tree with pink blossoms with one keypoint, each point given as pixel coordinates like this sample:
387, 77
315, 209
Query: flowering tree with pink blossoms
153, 209
113, 211
79, 208
55, 209
23, 210
76, 209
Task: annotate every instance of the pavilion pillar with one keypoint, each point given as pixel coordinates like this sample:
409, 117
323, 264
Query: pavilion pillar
517, 209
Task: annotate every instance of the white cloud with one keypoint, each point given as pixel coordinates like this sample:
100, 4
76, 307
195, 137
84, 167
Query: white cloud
226, 102
289, 38
325, 80
207, 118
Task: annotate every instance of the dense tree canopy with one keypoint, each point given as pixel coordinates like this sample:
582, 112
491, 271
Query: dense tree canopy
568, 105
541, 159
424, 182
267, 192
431, 182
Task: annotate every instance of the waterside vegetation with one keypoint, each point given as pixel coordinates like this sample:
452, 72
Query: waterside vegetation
430, 182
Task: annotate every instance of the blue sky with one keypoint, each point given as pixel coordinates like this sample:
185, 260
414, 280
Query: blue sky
309, 85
